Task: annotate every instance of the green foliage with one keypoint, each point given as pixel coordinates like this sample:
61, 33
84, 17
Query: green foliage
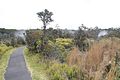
117, 73
32, 39
66, 43
63, 46
6, 35
113, 32
56, 50
45, 17
13, 42
63, 72
10, 37
51, 50
3, 49
52, 34
80, 37
35, 65
41, 68
4, 57
20, 41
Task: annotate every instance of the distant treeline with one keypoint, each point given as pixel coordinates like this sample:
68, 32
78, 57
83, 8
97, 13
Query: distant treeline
8, 37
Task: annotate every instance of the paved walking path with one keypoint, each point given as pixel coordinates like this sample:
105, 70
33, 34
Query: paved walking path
17, 69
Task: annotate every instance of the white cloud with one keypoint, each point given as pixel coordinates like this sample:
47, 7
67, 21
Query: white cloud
67, 13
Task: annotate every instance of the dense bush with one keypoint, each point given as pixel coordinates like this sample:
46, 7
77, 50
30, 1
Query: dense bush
80, 37
55, 50
52, 50
32, 38
66, 43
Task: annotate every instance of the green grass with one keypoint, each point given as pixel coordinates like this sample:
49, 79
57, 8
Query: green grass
36, 68
3, 62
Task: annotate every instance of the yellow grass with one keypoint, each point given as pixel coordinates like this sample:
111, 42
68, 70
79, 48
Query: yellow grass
36, 69
4, 61
94, 61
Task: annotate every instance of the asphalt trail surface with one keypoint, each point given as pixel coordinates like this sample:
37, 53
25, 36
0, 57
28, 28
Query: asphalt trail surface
17, 69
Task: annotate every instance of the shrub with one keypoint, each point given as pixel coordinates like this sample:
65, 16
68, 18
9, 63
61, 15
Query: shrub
63, 72
67, 43
53, 50
3, 49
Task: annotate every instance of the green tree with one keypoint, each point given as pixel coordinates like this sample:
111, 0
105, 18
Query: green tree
45, 17
32, 36
80, 37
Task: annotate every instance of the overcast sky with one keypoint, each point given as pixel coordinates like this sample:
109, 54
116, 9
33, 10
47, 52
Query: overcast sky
21, 14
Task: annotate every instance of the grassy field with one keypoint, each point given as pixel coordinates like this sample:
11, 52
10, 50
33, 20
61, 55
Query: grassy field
4, 61
36, 69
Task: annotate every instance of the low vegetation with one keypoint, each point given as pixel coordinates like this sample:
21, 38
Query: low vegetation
5, 52
42, 69
100, 62
55, 54
35, 65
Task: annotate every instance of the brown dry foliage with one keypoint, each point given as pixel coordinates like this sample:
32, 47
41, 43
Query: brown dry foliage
74, 57
94, 61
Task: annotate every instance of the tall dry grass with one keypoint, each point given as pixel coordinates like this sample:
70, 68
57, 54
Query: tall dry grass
98, 59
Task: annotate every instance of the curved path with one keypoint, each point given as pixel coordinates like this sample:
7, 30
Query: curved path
17, 69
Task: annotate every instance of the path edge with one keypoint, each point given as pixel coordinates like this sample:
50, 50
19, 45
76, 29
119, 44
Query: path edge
11, 52
27, 66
